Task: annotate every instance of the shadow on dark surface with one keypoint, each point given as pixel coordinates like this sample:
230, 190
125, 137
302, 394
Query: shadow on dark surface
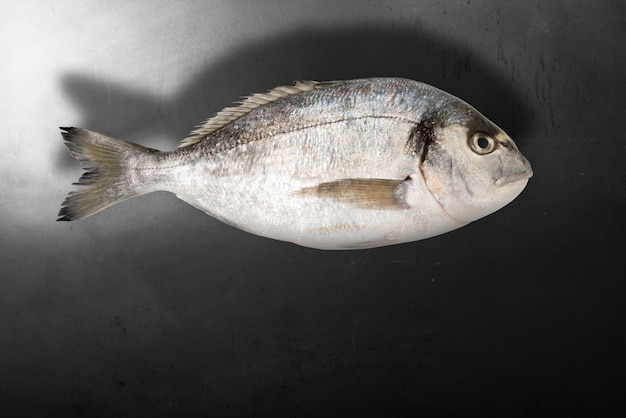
355, 52
517, 315
236, 323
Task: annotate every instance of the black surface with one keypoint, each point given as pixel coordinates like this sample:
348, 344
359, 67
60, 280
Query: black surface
164, 311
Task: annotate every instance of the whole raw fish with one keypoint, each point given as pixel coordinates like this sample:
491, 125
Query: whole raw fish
330, 165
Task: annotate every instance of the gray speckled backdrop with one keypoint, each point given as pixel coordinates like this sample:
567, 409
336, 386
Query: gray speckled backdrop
153, 308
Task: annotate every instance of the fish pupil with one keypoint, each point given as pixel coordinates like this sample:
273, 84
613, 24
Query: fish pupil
483, 142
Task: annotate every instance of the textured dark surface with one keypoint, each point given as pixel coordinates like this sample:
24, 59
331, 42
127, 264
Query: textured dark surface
153, 308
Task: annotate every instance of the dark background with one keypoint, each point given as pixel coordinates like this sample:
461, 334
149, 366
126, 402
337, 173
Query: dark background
153, 308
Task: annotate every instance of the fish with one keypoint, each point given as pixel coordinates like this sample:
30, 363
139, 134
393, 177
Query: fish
332, 165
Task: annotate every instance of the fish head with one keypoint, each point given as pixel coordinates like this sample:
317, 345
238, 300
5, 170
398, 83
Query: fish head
471, 166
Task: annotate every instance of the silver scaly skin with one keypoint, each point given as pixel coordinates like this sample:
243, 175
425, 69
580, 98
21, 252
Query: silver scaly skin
332, 165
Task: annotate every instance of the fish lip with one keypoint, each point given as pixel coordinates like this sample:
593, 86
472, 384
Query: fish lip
514, 177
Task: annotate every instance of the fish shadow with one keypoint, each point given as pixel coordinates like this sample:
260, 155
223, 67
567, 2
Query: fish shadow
121, 110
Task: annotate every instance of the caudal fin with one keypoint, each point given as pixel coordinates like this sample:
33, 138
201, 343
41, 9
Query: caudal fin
107, 179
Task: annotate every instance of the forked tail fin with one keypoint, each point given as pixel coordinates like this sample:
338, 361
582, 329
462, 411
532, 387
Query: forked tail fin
108, 181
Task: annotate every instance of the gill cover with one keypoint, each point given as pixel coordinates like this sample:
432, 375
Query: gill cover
472, 167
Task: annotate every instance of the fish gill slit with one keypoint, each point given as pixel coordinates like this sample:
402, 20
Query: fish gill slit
420, 139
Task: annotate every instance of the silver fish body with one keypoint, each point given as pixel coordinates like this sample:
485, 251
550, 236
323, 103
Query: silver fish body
333, 165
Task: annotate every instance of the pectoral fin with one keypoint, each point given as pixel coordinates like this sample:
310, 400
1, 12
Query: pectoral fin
366, 193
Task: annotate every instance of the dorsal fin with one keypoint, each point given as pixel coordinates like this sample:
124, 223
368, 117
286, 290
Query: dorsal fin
230, 114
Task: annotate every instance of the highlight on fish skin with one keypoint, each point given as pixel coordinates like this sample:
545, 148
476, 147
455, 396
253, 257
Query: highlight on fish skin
329, 165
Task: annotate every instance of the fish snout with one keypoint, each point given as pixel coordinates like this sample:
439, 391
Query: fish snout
524, 175
515, 167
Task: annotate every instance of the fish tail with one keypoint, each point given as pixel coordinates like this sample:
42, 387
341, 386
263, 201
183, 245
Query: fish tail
108, 178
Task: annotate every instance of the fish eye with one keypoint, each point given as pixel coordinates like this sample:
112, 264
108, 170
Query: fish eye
482, 144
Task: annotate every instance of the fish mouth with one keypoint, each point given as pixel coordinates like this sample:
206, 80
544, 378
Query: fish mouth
524, 175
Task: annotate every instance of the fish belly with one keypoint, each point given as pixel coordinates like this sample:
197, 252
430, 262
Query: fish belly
257, 186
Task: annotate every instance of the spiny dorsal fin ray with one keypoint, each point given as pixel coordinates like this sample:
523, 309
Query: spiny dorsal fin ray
229, 114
